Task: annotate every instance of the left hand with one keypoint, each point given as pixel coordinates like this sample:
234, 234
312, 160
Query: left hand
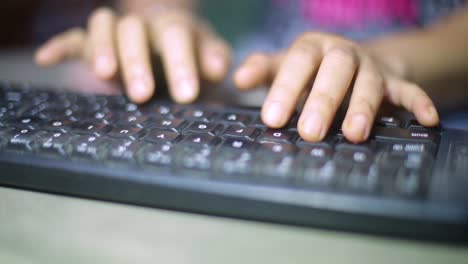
335, 65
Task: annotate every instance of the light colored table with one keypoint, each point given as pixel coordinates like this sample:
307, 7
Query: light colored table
45, 228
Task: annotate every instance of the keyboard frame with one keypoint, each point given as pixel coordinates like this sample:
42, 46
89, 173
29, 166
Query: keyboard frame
433, 219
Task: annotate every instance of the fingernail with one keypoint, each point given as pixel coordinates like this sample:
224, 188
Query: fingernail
103, 65
272, 113
313, 126
138, 89
431, 111
186, 90
359, 126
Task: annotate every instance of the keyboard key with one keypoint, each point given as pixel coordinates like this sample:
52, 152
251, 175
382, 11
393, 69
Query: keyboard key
363, 178
24, 122
318, 152
53, 143
414, 125
238, 144
236, 118
89, 128
101, 117
21, 139
123, 150
278, 135
402, 134
277, 168
277, 148
132, 133
116, 102
460, 161
417, 161
412, 147
240, 132
357, 156
388, 121
162, 136
327, 142
88, 147
160, 110
157, 155
229, 163
198, 115
408, 182
195, 158
201, 140
201, 127
130, 119
63, 126
323, 174
176, 125
4, 132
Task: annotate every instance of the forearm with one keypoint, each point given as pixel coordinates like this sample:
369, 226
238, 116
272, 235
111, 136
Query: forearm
435, 58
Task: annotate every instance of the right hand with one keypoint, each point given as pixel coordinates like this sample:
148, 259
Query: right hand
189, 50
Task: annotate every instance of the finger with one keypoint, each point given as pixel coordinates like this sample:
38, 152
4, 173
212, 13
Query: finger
414, 99
256, 70
365, 101
67, 45
101, 28
298, 67
330, 86
135, 59
214, 55
175, 41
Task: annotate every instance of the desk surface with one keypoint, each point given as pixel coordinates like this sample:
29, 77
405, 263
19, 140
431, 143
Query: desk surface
44, 228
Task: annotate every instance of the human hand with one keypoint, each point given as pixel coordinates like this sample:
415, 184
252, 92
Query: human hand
189, 50
335, 65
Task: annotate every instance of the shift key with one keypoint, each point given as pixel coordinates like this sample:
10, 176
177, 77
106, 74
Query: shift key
384, 133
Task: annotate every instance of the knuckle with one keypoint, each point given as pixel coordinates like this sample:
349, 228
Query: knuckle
327, 101
309, 37
343, 55
304, 43
173, 18
415, 88
131, 21
74, 35
372, 81
363, 105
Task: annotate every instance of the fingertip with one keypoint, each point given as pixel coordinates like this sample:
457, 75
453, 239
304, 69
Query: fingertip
356, 128
186, 91
140, 91
311, 127
105, 67
427, 115
242, 78
43, 56
273, 114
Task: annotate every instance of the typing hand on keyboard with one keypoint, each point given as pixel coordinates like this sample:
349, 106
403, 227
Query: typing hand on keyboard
336, 65
115, 44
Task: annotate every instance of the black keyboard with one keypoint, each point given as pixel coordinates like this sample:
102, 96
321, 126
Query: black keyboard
406, 181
